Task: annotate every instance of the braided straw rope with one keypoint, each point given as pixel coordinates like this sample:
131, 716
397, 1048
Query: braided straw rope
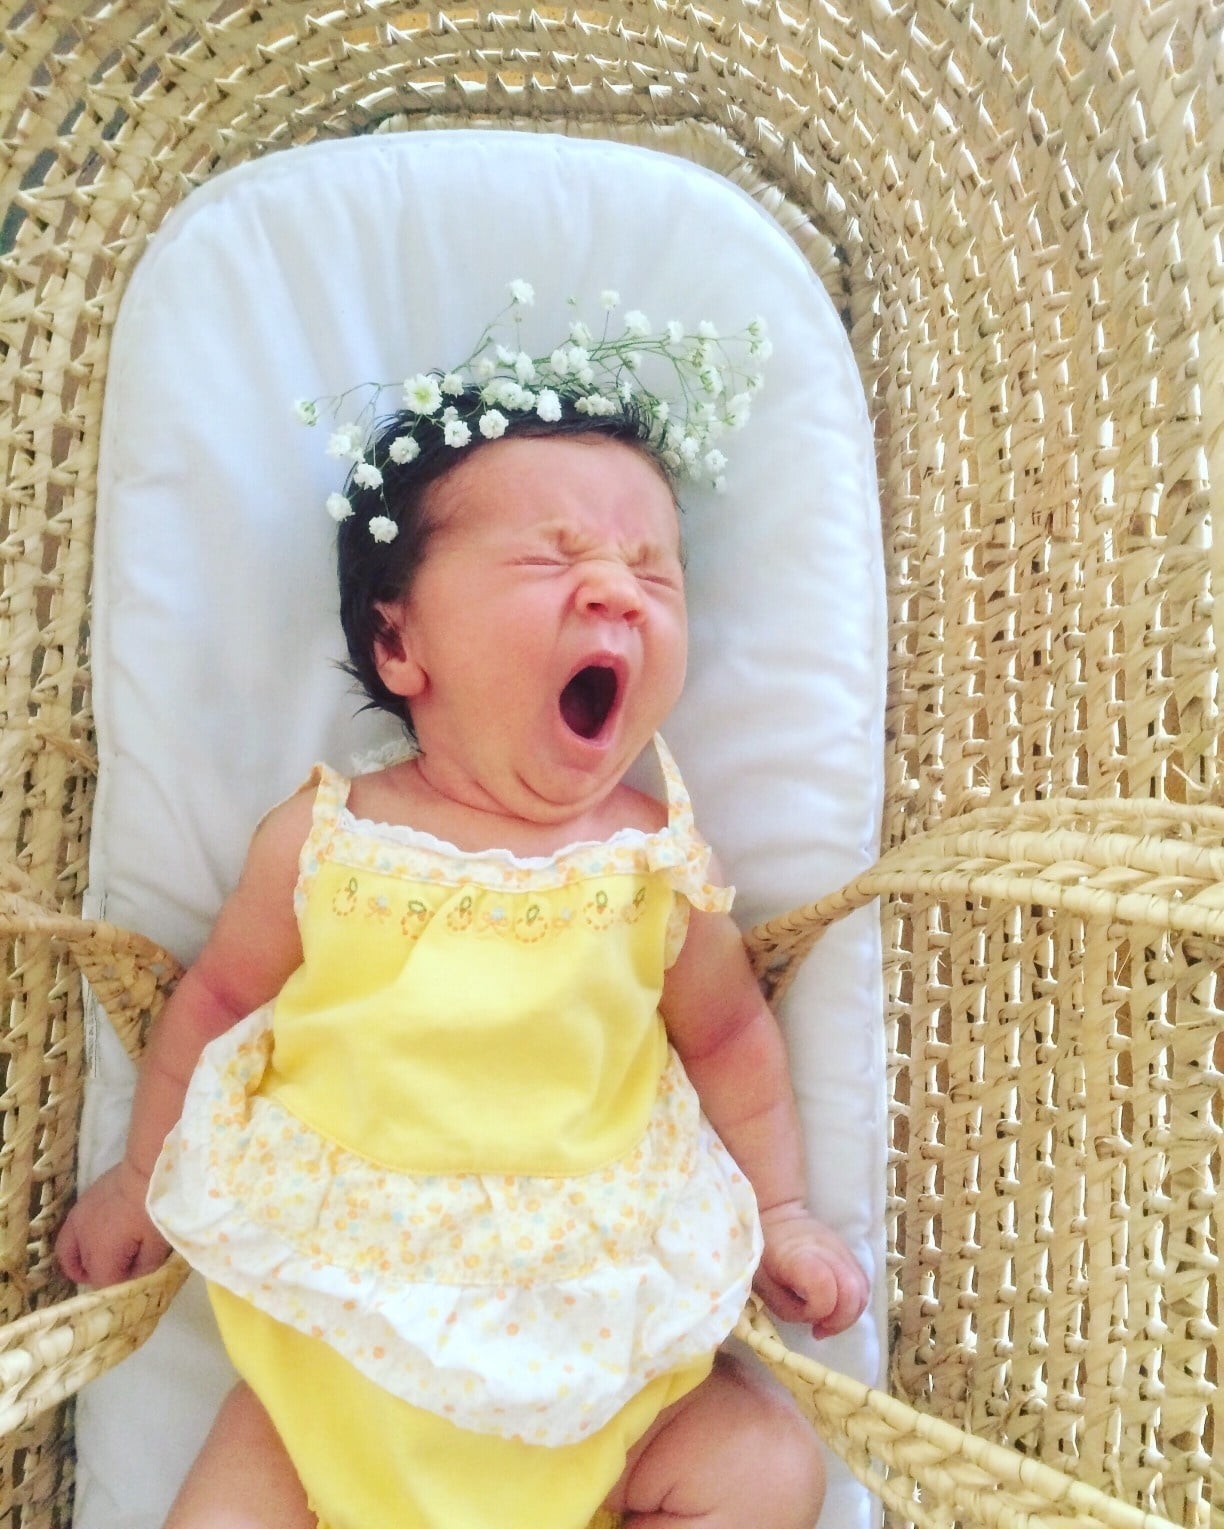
1017, 207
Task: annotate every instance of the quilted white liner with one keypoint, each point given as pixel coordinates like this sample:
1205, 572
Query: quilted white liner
215, 632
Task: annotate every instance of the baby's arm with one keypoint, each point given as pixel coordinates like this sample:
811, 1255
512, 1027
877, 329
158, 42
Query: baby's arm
733, 1052
253, 948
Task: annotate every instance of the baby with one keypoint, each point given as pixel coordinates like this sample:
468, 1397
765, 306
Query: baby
470, 1110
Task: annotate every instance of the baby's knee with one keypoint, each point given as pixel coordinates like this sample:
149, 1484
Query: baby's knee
785, 1448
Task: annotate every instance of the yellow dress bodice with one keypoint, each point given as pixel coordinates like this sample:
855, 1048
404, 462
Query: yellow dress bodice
494, 1014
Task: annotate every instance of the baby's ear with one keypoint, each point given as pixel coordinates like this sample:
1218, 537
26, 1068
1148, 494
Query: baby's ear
394, 652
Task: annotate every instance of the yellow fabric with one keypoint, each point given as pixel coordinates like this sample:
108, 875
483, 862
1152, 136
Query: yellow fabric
431, 1049
370, 1461
464, 1020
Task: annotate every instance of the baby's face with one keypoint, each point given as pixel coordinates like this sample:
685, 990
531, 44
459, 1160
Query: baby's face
543, 641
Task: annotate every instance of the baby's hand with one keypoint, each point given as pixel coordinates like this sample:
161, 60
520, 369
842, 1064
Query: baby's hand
808, 1274
108, 1235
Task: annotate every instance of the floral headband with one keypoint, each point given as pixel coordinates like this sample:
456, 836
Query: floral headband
713, 378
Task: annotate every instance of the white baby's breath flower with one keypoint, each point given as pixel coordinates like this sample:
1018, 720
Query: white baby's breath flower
383, 528
456, 433
345, 441
484, 368
757, 328
559, 361
738, 410
492, 424
404, 448
580, 364
503, 391
719, 484
306, 410
633, 361
524, 367
505, 355
522, 293
707, 331
548, 405
596, 405
422, 394
579, 333
609, 298
452, 384
675, 331
366, 475
690, 448
761, 350
636, 323
661, 410
711, 380
714, 463
338, 507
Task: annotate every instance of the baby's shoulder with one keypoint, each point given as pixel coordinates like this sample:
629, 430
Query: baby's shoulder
284, 829
631, 808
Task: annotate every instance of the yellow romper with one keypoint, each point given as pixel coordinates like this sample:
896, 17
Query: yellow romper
465, 1229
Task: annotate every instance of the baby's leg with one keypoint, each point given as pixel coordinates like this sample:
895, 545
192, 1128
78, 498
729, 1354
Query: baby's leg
735, 1453
242, 1478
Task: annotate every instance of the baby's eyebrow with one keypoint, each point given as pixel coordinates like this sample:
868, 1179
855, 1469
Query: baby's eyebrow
571, 542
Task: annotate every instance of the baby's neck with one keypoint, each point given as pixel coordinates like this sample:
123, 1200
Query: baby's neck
410, 794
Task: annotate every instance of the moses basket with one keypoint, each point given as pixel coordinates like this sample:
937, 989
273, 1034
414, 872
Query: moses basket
1018, 209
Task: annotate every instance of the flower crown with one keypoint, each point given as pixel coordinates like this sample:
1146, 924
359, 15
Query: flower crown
714, 380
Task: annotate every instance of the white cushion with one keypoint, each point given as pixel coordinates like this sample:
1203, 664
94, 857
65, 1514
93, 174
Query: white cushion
215, 635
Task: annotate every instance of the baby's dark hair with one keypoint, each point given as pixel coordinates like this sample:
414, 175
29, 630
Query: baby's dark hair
372, 572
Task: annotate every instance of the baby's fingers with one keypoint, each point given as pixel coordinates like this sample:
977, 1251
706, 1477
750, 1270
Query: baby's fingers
811, 1298
853, 1292
814, 1282
68, 1252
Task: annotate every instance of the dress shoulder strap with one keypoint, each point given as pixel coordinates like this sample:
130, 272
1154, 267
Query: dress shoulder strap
681, 850
331, 791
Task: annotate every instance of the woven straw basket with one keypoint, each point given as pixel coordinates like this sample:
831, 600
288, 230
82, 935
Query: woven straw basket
1019, 209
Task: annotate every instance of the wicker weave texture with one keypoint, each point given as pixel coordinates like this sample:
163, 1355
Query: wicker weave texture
1018, 209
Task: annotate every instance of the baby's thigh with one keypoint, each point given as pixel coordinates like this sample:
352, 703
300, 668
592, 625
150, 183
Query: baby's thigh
242, 1478
735, 1452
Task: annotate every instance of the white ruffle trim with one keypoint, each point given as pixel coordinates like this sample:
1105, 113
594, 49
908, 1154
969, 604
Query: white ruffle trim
523, 1306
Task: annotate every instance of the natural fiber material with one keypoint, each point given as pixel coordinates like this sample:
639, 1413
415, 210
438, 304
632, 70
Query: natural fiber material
1018, 208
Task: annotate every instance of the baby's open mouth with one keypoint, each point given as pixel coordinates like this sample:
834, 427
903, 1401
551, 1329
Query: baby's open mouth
588, 699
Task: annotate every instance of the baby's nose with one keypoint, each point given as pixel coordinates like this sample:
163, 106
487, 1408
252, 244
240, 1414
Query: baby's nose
609, 589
